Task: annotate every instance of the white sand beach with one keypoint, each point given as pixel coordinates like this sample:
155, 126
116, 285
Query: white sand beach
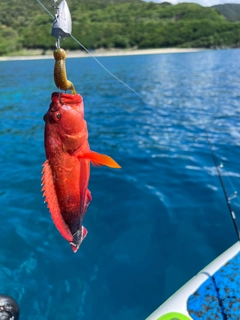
100, 53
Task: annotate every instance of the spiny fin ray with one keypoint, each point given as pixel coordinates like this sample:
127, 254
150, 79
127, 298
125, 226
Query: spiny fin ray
52, 201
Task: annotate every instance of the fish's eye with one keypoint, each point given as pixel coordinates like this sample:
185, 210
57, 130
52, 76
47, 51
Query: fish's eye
58, 116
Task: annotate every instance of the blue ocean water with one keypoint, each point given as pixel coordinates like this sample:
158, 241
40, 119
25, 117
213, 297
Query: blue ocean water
153, 224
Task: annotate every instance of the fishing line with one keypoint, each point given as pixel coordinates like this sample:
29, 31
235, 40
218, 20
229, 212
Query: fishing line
109, 72
45, 9
227, 198
95, 58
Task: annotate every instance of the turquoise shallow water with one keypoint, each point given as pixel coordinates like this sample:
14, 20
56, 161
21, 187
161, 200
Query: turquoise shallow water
153, 224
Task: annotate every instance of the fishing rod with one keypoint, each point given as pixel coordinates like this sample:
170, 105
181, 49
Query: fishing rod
232, 214
227, 198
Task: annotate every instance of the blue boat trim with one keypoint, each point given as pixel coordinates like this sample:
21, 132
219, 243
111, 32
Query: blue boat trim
219, 296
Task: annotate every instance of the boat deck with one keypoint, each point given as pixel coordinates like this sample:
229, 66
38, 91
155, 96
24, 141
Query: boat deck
219, 296
213, 294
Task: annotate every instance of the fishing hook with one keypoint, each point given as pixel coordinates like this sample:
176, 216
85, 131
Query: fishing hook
58, 42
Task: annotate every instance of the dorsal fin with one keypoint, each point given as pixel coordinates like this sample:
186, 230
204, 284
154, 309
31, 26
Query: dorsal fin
52, 201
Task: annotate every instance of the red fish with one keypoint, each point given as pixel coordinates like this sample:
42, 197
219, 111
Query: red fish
67, 168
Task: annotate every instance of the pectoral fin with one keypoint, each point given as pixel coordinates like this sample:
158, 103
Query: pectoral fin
52, 201
98, 159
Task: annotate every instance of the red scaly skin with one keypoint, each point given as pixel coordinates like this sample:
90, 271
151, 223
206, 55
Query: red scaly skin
66, 171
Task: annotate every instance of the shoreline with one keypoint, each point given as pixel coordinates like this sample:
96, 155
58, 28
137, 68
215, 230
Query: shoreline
102, 53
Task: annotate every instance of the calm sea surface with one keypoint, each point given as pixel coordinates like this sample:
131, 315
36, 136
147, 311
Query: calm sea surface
154, 223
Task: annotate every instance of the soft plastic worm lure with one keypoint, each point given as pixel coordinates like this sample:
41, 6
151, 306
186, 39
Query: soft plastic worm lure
60, 74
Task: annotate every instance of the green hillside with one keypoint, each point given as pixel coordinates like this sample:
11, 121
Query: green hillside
231, 11
116, 23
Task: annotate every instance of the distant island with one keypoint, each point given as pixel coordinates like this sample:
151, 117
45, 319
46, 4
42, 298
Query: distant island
123, 24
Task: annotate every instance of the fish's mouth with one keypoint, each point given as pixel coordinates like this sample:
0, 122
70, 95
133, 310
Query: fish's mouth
54, 107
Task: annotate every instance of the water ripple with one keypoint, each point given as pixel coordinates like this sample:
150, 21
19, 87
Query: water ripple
164, 207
